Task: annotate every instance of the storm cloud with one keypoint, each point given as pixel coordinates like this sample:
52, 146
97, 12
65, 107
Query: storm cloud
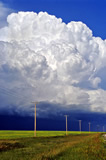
44, 59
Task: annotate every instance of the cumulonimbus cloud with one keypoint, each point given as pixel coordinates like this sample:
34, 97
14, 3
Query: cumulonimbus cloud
45, 59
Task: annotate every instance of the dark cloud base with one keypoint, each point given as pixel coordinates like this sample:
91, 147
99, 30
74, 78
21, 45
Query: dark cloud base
15, 122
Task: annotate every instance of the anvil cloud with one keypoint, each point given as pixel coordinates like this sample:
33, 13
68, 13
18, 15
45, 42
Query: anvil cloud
44, 59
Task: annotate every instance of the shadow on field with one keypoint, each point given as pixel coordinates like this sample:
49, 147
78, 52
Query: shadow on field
5, 146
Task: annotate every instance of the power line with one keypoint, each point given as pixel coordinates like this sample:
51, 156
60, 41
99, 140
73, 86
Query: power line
11, 93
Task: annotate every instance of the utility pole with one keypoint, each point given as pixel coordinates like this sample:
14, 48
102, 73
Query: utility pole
35, 119
103, 129
66, 124
98, 127
89, 127
80, 125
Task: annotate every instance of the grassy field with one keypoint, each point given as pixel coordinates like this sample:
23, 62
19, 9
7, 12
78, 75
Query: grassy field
23, 134
51, 145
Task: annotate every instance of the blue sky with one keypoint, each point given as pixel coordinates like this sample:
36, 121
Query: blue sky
63, 65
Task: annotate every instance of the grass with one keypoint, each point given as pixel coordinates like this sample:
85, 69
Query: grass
89, 149
23, 134
51, 145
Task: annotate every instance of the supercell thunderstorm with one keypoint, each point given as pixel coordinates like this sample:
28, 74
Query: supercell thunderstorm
44, 59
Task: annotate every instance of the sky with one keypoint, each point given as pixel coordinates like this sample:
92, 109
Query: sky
54, 52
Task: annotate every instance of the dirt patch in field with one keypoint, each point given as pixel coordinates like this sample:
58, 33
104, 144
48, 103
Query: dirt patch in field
4, 146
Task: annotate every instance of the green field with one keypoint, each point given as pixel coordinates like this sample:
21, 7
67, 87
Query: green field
51, 145
23, 134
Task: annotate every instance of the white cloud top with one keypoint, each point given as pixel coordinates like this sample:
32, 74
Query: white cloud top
44, 59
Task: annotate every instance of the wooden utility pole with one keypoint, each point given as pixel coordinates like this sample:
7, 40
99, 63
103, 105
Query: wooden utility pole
89, 127
35, 119
98, 128
80, 125
103, 129
66, 124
